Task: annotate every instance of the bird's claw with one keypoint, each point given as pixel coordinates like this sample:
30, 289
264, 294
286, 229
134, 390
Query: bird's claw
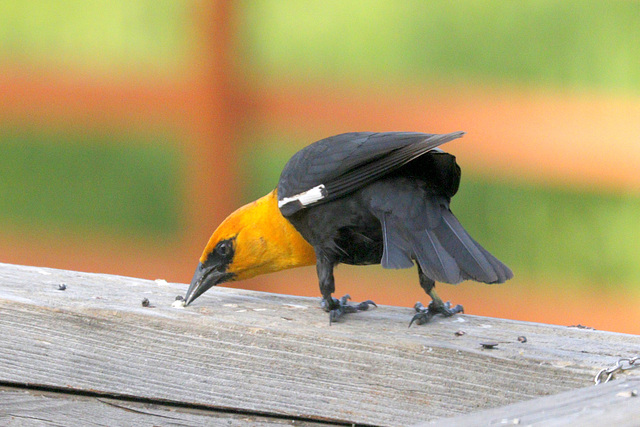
424, 314
339, 307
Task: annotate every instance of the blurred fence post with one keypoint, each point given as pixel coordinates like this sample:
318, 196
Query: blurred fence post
201, 105
214, 123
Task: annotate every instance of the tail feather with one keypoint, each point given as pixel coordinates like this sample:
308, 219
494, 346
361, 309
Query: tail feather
396, 252
417, 225
503, 272
457, 242
435, 261
445, 252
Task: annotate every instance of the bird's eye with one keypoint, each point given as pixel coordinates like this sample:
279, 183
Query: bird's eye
223, 248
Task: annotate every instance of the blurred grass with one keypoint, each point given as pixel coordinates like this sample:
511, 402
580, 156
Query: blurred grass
554, 232
568, 44
103, 37
85, 183
563, 43
544, 232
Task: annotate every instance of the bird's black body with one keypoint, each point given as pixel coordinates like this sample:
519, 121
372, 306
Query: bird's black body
383, 198
349, 229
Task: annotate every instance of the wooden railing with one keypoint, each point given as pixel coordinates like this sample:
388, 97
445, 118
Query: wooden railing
92, 351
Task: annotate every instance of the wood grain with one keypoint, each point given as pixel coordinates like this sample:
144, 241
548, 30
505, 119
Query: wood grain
266, 354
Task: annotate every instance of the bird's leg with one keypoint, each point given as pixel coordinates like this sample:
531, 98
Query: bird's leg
336, 307
436, 306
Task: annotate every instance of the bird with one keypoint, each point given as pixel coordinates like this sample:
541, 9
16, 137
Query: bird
357, 198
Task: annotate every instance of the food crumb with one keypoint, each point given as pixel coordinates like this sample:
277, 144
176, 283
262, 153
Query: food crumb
489, 345
579, 326
178, 303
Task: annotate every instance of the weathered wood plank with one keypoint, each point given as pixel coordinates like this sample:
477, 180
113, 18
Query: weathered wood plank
616, 403
28, 407
276, 354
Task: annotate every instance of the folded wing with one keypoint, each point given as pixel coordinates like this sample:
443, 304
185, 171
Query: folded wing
334, 167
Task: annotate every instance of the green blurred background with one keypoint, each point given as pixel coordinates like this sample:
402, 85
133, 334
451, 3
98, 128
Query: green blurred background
106, 179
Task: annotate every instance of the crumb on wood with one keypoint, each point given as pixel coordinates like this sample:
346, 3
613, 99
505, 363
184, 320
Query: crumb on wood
579, 326
489, 345
179, 303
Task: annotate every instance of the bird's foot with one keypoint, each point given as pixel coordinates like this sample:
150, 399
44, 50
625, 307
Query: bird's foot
339, 307
424, 314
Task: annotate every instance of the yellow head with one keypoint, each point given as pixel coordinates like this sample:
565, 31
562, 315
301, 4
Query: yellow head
255, 239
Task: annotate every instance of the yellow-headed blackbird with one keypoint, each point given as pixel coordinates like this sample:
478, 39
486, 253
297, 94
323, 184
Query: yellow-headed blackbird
355, 198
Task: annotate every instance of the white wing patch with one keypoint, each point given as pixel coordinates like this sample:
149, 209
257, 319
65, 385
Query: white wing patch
306, 197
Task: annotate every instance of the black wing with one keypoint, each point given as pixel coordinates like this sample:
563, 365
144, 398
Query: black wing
336, 166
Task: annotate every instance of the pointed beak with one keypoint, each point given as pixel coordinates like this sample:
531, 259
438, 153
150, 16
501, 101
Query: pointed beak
203, 279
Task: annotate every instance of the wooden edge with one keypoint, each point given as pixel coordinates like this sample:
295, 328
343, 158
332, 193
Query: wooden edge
614, 403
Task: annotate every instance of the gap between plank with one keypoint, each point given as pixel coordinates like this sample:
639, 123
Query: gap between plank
169, 403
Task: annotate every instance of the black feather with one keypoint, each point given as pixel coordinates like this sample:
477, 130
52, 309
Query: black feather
435, 261
396, 252
348, 162
385, 201
457, 242
418, 224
